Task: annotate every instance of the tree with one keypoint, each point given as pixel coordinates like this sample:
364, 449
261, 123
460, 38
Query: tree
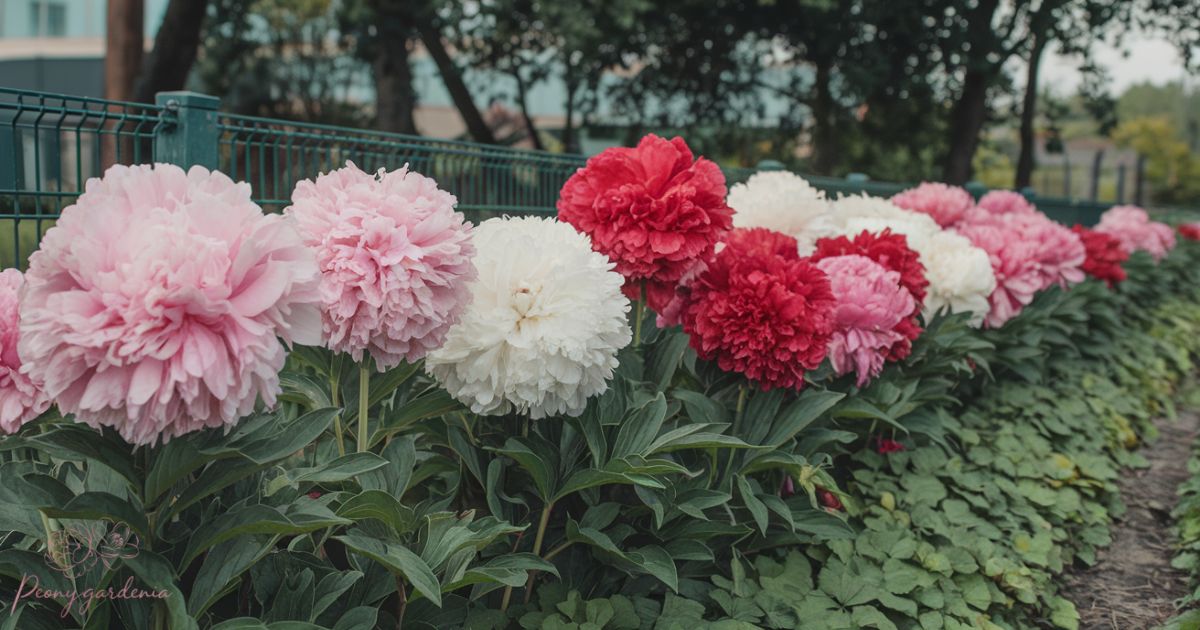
176, 45
123, 48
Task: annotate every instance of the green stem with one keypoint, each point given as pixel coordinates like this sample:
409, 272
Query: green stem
364, 394
335, 375
401, 605
737, 423
639, 315
550, 555
537, 547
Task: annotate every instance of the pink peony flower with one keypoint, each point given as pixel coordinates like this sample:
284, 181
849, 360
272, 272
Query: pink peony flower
1006, 202
157, 303
1014, 263
21, 399
1059, 251
1132, 226
946, 204
871, 305
395, 260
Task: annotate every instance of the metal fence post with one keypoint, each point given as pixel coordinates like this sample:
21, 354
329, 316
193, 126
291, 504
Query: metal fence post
188, 135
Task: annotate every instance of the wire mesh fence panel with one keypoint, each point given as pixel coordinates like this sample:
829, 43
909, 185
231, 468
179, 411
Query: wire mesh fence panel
273, 155
50, 145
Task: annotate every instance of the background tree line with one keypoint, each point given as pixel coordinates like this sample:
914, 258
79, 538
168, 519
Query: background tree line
900, 89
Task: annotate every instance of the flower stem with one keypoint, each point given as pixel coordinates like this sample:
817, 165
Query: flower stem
737, 422
402, 604
335, 375
537, 547
364, 394
639, 315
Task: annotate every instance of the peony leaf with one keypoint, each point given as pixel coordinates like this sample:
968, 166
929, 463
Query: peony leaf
379, 505
153, 570
757, 509
807, 408
97, 506
399, 560
340, 469
639, 430
260, 519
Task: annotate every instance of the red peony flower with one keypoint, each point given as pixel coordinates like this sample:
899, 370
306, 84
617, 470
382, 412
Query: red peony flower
890, 250
1190, 231
763, 314
829, 500
1104, 255
654, 210
883, 446
747, 241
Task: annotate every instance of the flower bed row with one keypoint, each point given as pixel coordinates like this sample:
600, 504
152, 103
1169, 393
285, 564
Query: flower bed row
673, 406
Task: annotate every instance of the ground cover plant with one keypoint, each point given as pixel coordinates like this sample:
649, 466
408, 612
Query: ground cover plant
366, 412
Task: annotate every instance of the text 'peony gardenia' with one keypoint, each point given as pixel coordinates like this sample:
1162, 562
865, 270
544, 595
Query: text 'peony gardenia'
760, 310
21, 399
544, 324
395, 259
654, 210
871, 305
157, 302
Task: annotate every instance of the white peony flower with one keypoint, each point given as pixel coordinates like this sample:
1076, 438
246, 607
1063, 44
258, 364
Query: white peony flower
960, 275
850, 212
784, 202
545, 321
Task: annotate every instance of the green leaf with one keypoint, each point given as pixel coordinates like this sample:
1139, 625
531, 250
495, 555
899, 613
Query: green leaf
665, 357
153, 570
343, 468
260, 519
590, 478
78, 443
396, 559
379, 505
431, 404
218, 575
103, 506
657, 562
304, 389
757, 509
539, 459
801, 413
401, 455
638, 431
510, 569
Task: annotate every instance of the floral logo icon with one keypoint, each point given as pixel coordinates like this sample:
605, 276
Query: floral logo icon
77, 549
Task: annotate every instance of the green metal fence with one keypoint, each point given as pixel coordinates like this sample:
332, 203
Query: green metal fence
51, 144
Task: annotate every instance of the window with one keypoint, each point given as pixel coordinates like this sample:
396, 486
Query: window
47, 18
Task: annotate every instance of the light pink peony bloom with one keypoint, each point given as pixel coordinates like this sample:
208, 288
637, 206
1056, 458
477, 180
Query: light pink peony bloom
1006, 202
157, 303
946, 204
1059, 251
871, 304
395, 260
1132, 226
1014, 263
21, 399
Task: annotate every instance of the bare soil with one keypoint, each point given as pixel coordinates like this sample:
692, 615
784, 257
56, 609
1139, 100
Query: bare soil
1132, 585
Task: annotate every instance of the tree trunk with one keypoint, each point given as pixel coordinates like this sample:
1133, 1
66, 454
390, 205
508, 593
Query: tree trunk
123, 48
1025, 163
476, 126
966, 122
824, 135
568, 137
522, 101
395, 100
122, 61
175, 48
970, 110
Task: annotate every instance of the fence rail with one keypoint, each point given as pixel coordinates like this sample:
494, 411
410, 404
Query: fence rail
51, 144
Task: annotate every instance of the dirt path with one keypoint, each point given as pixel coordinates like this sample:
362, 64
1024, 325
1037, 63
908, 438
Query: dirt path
1132, 586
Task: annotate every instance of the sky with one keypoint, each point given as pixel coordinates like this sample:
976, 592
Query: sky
1148, 59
